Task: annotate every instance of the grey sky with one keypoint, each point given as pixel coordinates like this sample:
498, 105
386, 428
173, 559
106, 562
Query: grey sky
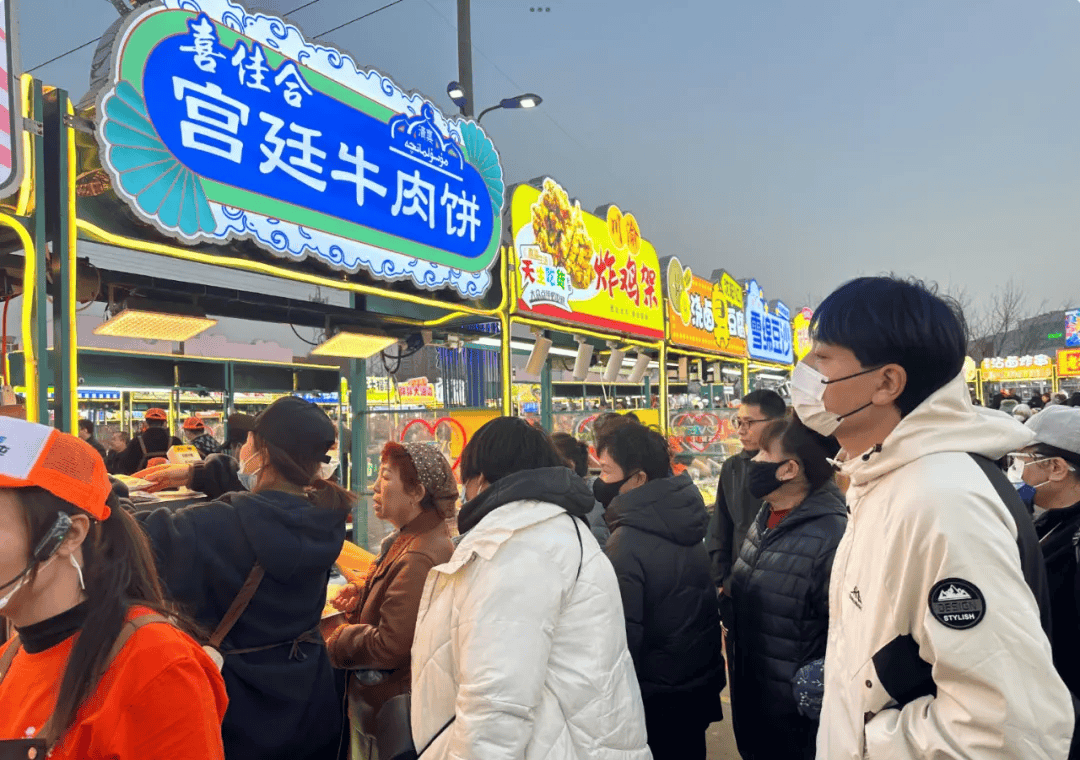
801, 143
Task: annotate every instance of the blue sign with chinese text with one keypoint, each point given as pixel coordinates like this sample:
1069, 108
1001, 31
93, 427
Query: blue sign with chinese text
768, 327
225, 124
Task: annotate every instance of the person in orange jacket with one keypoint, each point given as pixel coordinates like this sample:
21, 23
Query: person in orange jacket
98, 668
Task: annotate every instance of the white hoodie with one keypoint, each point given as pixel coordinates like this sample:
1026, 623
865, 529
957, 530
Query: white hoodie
929, 570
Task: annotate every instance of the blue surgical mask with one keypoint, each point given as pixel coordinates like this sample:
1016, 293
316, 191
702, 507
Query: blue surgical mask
1027, 495
248, 479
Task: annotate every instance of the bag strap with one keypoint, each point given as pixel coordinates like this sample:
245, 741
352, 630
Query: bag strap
126, 633
438, 733
239, 604
9, 656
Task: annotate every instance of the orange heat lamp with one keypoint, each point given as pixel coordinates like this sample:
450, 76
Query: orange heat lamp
143, 320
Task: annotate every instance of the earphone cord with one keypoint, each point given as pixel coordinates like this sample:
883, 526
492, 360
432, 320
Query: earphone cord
19, 577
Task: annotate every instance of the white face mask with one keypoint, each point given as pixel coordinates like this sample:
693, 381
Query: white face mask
807, 394
248, 479
327, 469
1018, 466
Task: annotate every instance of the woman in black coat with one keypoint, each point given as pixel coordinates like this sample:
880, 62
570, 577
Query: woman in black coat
283, 703
669, 601
781, 595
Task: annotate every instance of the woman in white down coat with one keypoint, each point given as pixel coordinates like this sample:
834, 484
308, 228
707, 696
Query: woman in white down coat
520, 648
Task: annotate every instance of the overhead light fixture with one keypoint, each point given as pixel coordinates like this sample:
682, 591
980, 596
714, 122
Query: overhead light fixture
538, 356
766, 376
731, 372
584, 358
640, 367
614, 364
528, 100
148, 320
351, 344
457, 94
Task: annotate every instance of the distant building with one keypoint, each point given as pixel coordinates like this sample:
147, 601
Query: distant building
1042, 334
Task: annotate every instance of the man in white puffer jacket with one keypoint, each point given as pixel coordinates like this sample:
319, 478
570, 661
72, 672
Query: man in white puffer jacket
938, 607
520, 647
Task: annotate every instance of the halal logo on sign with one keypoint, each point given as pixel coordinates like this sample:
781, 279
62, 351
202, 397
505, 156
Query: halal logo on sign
957, 604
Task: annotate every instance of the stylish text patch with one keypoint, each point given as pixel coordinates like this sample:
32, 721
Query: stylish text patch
957, 603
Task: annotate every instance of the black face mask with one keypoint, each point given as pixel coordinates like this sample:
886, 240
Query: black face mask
605, 493
761, 478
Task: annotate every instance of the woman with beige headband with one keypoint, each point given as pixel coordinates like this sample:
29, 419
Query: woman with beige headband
416, 492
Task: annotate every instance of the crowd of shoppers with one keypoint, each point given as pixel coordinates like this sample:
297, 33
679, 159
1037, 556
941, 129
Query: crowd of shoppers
881, 588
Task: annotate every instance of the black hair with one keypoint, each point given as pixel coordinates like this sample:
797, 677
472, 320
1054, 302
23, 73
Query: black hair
575, 452
155, 423
602, 421
637, 449
809, 448
88, 426
632, 417
119, 571
1046, 450
507, 445
769, 402
303, 471
888, 320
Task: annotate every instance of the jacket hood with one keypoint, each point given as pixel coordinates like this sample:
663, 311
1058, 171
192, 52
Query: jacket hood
671, 508
551, 485
288, 533
947, 421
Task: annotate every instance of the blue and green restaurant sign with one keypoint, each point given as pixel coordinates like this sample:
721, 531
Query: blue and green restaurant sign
221, 124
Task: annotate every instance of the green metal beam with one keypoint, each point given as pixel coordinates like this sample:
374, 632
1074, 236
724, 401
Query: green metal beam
358, 450
545, 397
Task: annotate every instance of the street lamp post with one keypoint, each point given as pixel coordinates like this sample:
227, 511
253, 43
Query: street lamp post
464, 56
461, 91
457, 94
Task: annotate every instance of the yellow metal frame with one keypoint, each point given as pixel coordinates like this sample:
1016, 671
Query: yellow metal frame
26, 186
30, 350
95, 232
72, 305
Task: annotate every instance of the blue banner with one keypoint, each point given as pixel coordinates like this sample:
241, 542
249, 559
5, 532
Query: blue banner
229, 117
226, 124
768, 327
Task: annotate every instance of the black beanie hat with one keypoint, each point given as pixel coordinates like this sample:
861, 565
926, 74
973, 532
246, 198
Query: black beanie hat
239, 427
299, 428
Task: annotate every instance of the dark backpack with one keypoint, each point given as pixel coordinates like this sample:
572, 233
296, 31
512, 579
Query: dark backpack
148, 455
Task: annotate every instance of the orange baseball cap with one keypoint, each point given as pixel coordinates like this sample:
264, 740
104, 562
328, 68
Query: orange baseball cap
194, 423
155, 414
65, 466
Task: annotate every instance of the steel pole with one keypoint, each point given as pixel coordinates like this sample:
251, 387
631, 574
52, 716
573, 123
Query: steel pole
464, 52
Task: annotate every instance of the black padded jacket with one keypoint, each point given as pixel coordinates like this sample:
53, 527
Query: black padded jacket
672, 624
781, 598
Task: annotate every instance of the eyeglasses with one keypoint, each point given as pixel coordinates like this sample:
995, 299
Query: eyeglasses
744, 423
1018, 457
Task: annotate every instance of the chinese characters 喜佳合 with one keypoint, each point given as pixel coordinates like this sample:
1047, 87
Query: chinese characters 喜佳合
212, 123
